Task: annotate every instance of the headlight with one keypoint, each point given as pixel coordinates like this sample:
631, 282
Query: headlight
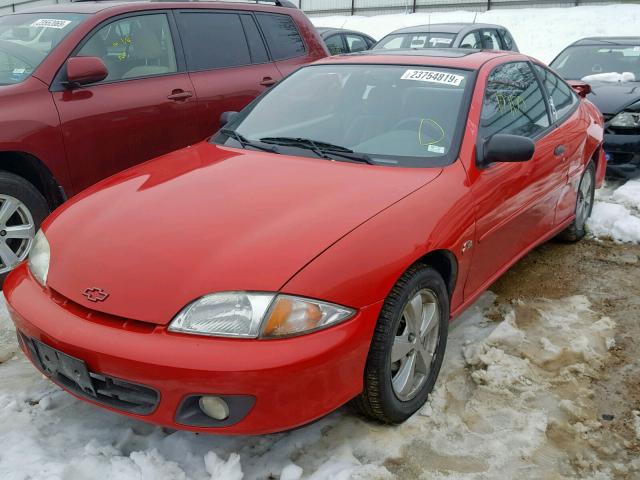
39, 258
626, 120
252, 315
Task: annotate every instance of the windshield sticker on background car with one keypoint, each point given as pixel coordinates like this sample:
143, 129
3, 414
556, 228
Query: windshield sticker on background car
50, 23
434, 41
433, 76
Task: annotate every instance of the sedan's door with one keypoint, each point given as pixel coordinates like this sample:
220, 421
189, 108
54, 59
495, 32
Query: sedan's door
140, 111
227, 62
515, 202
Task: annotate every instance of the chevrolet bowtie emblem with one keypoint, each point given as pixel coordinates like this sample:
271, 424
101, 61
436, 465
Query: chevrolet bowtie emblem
95, 294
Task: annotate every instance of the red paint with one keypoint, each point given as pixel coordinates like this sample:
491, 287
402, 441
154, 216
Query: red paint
210, 218
88, 133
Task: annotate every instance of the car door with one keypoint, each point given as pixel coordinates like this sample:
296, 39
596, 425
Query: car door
515, 203
227, 62
570, 132
355, 43
140, 111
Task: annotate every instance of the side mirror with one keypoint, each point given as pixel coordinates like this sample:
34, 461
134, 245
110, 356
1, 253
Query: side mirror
581, 88
85, 70
503, 147
226, 117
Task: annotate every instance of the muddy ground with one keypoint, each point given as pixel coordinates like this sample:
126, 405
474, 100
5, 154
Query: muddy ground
609, 275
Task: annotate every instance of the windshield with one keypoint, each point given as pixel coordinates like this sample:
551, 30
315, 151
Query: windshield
384, 114
26, 39
596, 61
416, 40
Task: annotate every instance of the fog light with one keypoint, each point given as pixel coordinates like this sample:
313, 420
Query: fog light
214, 407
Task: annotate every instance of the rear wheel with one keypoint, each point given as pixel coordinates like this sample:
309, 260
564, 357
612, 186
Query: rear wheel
584, 205
407, 347
22, 209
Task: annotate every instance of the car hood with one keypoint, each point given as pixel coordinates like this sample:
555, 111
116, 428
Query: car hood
610, 98
210, 218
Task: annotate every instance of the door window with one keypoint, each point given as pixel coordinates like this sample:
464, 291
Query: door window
134, 47
513, 102
213, 40
282, 35
507, 40
490, 40
562, 99
356, 43
335, 45
256, 44
471, 40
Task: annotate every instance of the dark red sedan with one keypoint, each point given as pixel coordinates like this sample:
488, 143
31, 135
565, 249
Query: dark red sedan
315, 249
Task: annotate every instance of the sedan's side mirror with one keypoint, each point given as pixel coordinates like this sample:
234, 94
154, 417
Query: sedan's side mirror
226, 117
581, 88
503, 147
85, 70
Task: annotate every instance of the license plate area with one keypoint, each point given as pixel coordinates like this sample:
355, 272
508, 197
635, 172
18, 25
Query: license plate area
56, 363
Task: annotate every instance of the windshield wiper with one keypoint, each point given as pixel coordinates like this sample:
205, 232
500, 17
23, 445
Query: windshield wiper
245, 142
321, 149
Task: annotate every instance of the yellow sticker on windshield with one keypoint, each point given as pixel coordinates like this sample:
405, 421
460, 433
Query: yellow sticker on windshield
433, 76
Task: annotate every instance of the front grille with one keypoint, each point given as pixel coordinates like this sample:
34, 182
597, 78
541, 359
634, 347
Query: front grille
72, 374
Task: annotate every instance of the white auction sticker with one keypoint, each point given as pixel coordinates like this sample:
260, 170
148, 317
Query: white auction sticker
434, 41
50, 23
432, 76
436, 149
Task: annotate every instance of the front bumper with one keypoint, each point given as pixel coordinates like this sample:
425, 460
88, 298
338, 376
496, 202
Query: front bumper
293, 381
623, 155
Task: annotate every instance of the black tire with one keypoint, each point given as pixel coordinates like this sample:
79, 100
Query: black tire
577, 229
19, 188
378, 399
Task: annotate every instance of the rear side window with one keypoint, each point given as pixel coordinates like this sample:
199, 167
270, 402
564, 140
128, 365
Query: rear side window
490, 40
507, 40
213, 40
356, 43
561, 96
282, 35
513, 102
335, 45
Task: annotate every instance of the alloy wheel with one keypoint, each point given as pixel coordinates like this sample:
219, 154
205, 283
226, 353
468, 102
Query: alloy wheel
17, 231
415, 344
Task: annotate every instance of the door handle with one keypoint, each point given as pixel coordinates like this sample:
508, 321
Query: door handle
268, 81
559, 150
179, 95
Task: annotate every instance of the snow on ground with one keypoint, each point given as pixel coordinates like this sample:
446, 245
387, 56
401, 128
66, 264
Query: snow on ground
616, 213
539, 32
515, 388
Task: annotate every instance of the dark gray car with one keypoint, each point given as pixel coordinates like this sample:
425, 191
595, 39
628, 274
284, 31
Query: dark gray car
611, 66
339, 40
455, 35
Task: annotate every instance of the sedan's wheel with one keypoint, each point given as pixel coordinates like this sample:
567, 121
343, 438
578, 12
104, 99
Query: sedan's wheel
584, 205
22, 209
407, 347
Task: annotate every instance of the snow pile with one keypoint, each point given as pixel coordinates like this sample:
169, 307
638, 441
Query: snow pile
616, 213
539, 32
610, 77
513, 399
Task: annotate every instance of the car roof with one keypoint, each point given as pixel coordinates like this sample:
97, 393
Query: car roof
444, 27
607, 40
463, 58
98, 6
327, 30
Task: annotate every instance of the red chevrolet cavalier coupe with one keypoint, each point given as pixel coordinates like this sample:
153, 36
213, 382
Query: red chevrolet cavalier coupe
315, 249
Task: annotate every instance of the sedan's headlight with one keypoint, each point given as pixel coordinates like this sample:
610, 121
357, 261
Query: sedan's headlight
39, 257
252, 315
626, 120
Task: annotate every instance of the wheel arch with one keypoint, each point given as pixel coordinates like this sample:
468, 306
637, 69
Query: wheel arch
33, 170
445, 263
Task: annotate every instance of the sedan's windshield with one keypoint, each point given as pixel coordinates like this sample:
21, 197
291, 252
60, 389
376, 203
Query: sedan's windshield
599, 62
416, 40
27, 38
379, 114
